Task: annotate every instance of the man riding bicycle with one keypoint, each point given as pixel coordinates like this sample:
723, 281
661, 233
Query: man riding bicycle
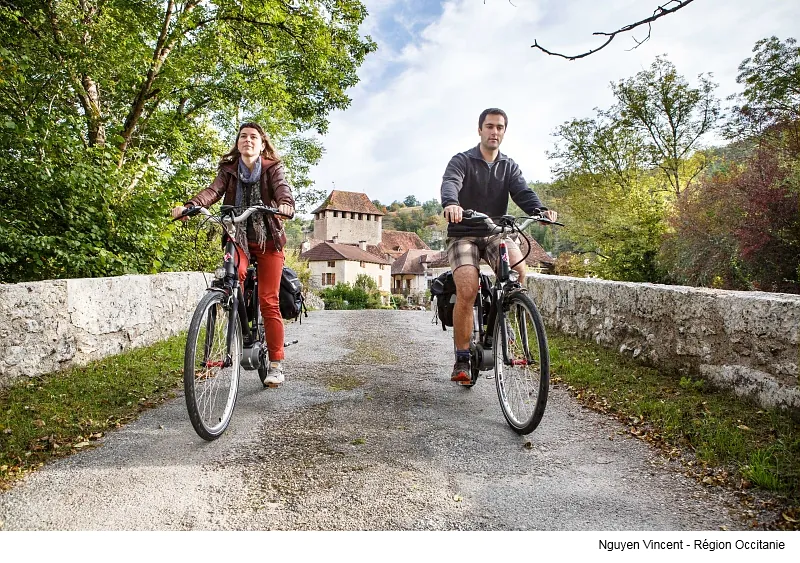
482, 179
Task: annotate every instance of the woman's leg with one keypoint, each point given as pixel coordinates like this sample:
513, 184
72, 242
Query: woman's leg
270, 267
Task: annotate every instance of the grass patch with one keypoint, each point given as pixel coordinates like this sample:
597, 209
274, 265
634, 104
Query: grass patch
58, 414
374, 353
727, 439
341, 382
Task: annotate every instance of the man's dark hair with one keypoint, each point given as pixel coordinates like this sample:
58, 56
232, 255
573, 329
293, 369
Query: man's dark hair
492, 111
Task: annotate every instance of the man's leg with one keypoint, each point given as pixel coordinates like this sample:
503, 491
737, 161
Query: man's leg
466, 279
514, 255
464, 258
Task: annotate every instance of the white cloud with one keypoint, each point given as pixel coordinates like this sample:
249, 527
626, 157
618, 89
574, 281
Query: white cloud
401, 129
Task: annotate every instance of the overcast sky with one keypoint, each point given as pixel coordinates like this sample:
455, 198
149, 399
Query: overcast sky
439, 64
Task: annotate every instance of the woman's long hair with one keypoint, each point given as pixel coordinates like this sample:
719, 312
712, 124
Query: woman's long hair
268, 151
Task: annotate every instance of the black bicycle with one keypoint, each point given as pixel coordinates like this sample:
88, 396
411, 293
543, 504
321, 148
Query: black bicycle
226, 334
508, 333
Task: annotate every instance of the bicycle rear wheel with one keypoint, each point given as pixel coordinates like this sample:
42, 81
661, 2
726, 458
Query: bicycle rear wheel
523, 376
210, 373
263, 369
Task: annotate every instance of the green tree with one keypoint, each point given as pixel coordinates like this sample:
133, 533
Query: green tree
411, 201
618, 174
112, 111
607, 196
670, 116
771, 80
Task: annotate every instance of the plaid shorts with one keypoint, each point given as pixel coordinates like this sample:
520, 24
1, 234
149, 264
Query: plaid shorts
469, 251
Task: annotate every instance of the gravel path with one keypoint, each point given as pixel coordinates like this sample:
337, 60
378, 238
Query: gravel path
368, 433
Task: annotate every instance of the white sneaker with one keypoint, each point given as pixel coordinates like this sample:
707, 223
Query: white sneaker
274, 375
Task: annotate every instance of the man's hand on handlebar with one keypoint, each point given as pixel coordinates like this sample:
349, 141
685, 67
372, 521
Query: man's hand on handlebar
550, 214
453, 213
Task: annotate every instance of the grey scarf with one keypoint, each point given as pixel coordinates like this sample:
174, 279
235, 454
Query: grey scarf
248, 192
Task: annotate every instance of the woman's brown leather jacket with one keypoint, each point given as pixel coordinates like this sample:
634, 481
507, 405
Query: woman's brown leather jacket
274, 192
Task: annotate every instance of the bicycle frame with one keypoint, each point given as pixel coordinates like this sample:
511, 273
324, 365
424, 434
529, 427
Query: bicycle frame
497, 292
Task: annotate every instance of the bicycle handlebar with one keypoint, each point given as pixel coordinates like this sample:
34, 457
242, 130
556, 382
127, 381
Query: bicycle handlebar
508, 222
227, 210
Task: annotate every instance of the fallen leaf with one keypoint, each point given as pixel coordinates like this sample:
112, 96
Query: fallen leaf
38, 422
528, 445
81, 444
788, 518
742, 427
457, 498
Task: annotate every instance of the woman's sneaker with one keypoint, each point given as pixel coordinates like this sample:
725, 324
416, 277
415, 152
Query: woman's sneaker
274, 375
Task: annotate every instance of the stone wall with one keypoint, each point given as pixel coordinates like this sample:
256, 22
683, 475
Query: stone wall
51, 325
746, 341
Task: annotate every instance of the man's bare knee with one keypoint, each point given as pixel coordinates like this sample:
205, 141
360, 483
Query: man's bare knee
466, 280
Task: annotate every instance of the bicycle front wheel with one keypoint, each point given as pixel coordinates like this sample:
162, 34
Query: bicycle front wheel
522, 370
210, 370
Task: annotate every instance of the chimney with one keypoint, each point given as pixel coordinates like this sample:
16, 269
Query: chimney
362, 244
305, 246
335, 239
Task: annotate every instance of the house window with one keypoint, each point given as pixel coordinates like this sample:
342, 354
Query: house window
408, 284
369, 217
381, 266
329, 279
331, 263
360, 217
336, 214
362, 264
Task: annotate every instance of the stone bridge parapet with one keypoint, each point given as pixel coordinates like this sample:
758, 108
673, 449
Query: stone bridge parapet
48, 326
743, 340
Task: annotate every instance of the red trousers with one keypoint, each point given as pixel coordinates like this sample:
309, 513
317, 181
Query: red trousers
268, 269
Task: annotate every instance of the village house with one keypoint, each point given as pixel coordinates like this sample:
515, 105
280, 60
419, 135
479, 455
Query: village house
349, 240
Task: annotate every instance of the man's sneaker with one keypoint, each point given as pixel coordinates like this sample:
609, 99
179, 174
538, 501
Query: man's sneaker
461, 372
274, 375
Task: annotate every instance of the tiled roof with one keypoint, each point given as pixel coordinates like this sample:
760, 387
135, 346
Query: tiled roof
325, 251
395, 243
438, 260
411, 261
338, 200
538, 255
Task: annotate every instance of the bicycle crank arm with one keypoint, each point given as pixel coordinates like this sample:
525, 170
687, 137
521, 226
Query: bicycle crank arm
287, 344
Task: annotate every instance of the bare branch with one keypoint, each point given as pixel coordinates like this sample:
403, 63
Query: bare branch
659, 12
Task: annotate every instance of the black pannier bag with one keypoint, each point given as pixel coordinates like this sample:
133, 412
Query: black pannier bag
290, 296
443, 288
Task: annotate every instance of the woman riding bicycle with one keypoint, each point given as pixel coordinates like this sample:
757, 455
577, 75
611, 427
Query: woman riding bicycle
251, 173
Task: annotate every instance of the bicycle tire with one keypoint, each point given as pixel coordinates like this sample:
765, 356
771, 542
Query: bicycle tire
210, 387
263, 369
522, 387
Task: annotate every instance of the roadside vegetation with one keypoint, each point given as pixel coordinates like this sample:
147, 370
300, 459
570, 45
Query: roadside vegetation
721, 439
59, 414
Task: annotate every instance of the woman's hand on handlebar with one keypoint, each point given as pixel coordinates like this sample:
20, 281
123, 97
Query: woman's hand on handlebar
287, 210
178, 213
453, 213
